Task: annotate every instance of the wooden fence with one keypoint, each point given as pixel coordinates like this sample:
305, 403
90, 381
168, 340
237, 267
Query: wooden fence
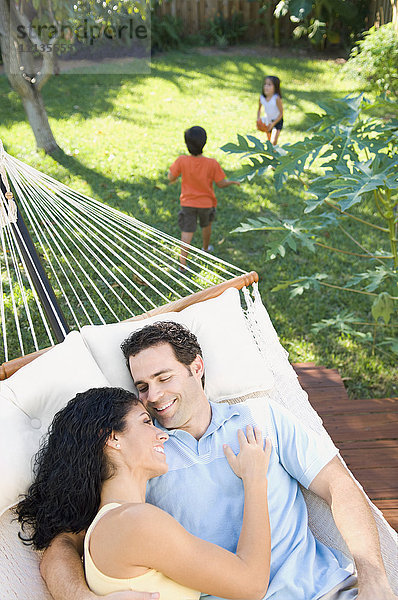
383, 11
195, 13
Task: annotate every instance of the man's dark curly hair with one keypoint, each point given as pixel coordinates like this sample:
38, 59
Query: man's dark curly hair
184, 343
71, 466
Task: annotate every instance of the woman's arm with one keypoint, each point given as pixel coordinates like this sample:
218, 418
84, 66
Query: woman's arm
148, 536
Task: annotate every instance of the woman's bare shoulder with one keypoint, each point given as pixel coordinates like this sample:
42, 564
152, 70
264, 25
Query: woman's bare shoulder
136, 515
126, 531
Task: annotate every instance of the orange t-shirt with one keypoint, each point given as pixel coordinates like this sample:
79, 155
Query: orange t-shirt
198, 174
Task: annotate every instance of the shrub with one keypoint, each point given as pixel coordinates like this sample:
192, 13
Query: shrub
166, 32
222, 32
375, 59
324, 22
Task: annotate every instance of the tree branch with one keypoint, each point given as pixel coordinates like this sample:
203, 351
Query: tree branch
369, 254
345, 289
343, 212
353, 253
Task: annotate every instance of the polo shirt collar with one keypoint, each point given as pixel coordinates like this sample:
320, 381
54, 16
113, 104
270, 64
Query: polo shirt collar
220, 414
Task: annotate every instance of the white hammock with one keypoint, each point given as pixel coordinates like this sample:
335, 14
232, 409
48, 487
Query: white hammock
104, 266
19, 565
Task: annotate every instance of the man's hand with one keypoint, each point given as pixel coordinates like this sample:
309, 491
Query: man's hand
132, 596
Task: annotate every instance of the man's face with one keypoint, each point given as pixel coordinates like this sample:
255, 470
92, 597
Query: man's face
170, 391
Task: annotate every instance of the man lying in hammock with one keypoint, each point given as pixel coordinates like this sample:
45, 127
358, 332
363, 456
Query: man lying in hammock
199, 490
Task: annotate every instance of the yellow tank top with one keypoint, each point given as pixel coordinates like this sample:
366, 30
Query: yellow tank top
151, 581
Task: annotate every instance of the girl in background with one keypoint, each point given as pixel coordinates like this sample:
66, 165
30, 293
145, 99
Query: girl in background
271, 101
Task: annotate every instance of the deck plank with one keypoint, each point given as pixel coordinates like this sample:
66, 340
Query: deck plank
377, 456
365, 431
341, 405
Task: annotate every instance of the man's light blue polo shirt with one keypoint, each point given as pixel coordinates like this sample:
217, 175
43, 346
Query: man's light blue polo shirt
203, 494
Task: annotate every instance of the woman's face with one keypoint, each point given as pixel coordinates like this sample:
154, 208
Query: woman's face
141, 443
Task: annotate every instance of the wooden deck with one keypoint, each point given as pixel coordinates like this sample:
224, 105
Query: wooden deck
365, 431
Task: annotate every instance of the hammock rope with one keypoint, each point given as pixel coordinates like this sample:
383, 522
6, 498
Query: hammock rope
103, 265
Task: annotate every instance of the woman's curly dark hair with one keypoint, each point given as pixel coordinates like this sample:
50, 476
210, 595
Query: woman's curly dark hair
70, 465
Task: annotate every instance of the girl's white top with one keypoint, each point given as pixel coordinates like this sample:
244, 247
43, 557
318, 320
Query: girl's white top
270, 108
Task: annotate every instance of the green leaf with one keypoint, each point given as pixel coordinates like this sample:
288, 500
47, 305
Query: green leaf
298, 154
348, 184
392, 344
288, 232
383, 307
261, 155
283, 286
342, 322
306, 283
339, 111
374, 278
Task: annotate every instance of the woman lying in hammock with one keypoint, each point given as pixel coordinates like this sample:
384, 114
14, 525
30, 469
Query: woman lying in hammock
91, 474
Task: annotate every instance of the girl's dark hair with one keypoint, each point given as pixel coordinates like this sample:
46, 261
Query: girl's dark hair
71, 465
277, 84
195, 138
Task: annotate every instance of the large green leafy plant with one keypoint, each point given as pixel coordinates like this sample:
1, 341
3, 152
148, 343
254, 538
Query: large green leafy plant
374, 59
348, 165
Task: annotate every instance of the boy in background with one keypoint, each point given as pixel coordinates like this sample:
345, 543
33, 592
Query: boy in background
197, 199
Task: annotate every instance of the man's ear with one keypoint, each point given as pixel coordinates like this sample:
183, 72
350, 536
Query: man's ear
198, 367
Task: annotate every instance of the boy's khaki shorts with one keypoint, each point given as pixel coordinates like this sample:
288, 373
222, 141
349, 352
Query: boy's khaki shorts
189, 215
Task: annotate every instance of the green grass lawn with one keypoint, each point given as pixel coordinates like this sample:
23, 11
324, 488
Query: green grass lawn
121, 133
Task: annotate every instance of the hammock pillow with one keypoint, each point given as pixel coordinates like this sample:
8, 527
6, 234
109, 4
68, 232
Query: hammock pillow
234, 365
28, 402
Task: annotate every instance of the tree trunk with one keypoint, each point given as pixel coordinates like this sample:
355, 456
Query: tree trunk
23, 81
37, 116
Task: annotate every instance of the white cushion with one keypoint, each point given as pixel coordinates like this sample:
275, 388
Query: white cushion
104, 343
234, 365
29, 400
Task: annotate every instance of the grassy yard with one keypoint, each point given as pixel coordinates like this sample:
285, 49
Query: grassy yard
121, 133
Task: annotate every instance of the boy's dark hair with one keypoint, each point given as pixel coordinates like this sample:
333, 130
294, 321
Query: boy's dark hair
195, 138
277, 84
184, 343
